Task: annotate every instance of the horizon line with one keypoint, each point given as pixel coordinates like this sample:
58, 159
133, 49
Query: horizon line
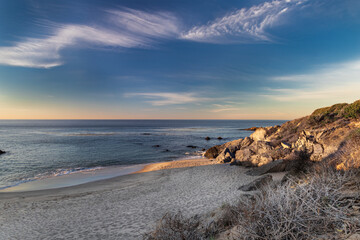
110, 119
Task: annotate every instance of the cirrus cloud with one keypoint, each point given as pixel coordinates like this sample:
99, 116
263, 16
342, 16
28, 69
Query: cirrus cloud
168, 98
243, 25
125, 28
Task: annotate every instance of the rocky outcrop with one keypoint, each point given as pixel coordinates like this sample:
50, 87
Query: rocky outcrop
226, 152
257, 183
250, 129
321, 135
275, 166
213, 152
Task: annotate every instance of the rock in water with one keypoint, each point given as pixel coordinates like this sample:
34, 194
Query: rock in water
207, 138
191, 146
257, 183
2, 152
250, 129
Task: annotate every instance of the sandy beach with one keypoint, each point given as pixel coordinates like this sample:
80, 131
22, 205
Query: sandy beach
124, 207
177, 164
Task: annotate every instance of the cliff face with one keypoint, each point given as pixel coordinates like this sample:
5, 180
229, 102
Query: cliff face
331, 133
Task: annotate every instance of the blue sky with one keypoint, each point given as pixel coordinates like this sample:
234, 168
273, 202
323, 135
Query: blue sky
164, 59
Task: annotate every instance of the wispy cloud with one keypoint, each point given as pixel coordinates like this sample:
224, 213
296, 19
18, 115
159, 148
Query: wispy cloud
160, 24
335, 82
243, 25
125, 28
168, 98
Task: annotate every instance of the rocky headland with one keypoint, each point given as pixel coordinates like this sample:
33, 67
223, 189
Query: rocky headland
317, 198
329, 133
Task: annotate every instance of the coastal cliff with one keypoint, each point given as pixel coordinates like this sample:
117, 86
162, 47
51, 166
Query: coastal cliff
330, 133
319, 197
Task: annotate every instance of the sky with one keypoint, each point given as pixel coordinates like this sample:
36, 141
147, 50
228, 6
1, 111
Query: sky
177, 59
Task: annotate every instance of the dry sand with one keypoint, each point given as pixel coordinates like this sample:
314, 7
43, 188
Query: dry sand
124, 207
177, 164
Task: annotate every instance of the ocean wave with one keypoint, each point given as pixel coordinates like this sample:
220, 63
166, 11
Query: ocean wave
79, 133
196, 129
61, 172
55, 173
92, 134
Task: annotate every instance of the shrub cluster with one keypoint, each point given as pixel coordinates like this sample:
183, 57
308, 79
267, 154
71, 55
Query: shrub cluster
335, 112
301, 208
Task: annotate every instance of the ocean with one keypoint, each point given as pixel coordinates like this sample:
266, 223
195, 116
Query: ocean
38, 149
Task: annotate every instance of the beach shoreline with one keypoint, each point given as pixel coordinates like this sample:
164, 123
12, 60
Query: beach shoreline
123, 207
102, 173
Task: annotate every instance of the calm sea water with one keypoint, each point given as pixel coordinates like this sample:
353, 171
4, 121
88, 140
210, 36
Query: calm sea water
39, 149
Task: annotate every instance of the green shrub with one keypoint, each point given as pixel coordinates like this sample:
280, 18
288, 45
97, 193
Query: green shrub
352, 110
328, 114
335, 112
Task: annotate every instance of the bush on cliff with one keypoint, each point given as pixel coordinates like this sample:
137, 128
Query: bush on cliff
352, 110
335, 112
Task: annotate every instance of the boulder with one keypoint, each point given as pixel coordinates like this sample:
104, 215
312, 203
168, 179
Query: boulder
233, 145
280, 153
243, 155
219, 138
257, 183
225, 156
275, 166
261, 147
2, 152
263, 160
246, 142
207, 138
259, 134
213, 152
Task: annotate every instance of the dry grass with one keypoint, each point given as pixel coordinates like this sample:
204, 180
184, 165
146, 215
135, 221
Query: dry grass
176, 227
316, 204
300, 209
348, 154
